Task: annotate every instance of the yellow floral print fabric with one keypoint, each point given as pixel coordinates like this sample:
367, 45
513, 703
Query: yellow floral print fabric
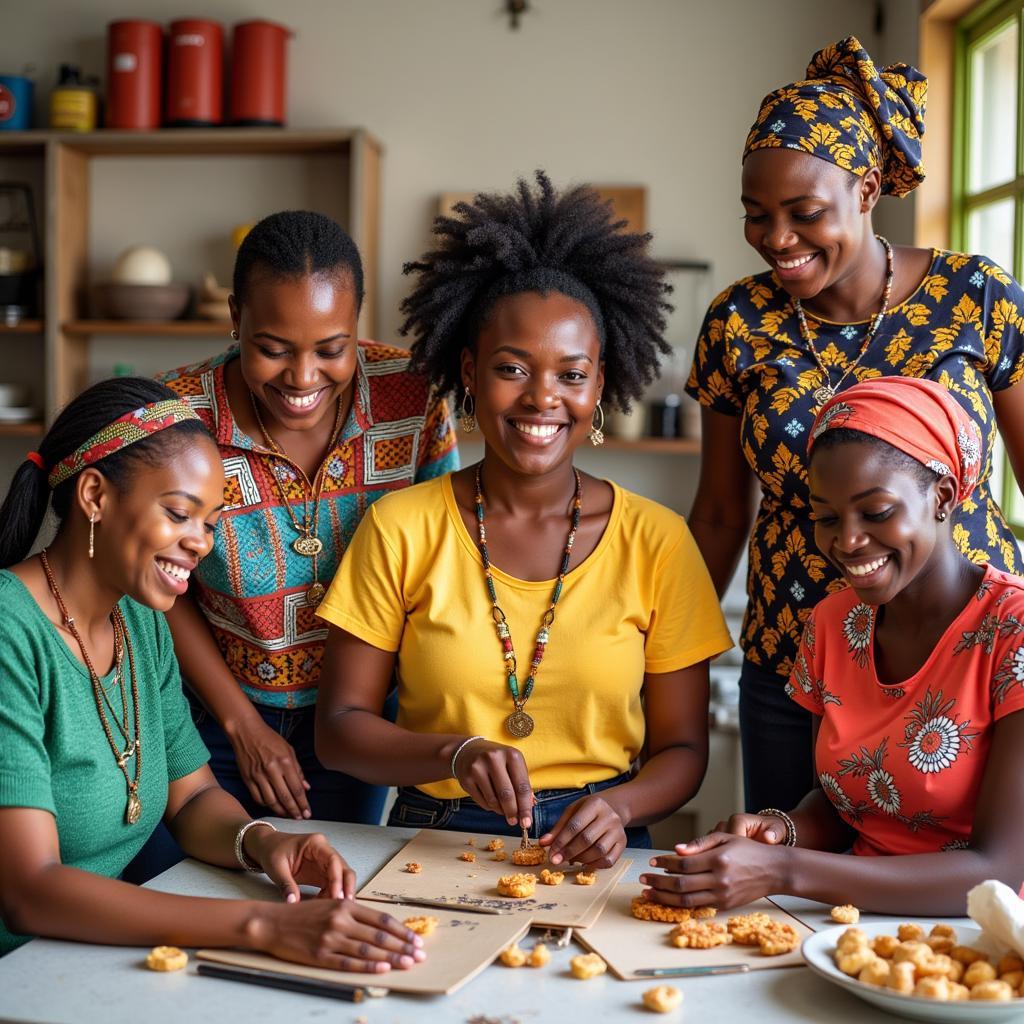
963, 327
851, 114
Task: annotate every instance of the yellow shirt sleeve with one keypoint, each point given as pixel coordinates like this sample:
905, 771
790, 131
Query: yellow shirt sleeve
366, 596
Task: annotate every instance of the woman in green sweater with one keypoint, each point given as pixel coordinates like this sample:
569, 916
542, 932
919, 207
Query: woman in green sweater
96, 742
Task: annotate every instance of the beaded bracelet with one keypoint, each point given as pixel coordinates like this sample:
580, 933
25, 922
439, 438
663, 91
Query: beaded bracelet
240, 853
459, 749
790, 839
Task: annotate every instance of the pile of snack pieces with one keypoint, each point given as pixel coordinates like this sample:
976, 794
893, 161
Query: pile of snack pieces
695, 929
931, 966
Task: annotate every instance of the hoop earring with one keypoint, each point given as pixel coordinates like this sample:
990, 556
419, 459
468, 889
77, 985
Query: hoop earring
468, 417
234, 334
596, 434
941, 517
92, 534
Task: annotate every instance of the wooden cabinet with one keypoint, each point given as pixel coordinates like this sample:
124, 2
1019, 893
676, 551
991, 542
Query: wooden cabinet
191, 168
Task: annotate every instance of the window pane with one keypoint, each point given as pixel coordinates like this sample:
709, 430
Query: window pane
993, 112
990, 232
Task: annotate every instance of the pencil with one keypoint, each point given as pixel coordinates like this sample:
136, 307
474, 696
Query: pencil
290, 982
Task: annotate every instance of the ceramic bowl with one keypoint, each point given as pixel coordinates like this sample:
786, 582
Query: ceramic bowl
142, 301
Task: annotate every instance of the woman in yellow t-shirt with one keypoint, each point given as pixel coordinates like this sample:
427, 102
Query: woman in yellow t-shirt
550, 630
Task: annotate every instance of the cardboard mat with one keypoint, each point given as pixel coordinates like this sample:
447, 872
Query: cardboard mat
628, 945
447, 880
462, 945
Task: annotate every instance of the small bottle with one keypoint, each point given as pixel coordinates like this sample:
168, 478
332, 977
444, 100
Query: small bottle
73, 102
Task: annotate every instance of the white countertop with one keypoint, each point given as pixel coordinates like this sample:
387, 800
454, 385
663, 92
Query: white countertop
74, 983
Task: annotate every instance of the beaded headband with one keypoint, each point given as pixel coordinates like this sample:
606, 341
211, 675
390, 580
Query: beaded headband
133, 426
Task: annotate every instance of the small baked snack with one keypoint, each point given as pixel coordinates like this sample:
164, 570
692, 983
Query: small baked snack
853, 961
500, 855
885, 945
468, 857
471, 841
423, 924
744, 928
551, 877
586, 877
910, 933
699, 935
587, 965
845, 914
778, 938
854, 937
495, 845
876, 972
967, 955
413, 868
647, 910
901, 977
519, 886
529, 856
539, 956
992, 991
512, 956
979, 971
703, 913
932, 988
166, 958
662, 998
1008, 963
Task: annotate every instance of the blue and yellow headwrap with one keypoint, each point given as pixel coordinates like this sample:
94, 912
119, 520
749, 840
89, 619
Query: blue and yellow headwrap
848, 113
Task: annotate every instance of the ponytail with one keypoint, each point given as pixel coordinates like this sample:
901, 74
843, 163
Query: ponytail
24, 508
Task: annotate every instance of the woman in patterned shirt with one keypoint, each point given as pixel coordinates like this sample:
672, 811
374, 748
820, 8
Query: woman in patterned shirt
838, 305
914, 676
313, 427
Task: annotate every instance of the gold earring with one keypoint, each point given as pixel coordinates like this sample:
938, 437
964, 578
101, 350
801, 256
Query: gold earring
468, 417
92, 534
596, 434
234, 334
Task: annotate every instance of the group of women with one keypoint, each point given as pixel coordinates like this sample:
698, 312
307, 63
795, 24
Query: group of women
272, 590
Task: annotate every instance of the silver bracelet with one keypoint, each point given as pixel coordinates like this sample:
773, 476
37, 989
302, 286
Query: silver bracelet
458, 750
240, 853
774, 812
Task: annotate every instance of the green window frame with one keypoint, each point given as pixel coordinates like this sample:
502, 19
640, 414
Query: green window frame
973, 33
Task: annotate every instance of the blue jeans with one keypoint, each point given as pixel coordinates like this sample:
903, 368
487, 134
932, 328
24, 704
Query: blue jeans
415, 809
775, 734
332, 796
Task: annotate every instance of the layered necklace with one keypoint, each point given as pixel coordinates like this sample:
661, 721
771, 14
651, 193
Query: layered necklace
827, 390
519, 723
307, 543
122, 642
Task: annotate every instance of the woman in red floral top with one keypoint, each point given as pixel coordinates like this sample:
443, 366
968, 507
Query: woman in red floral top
915, 676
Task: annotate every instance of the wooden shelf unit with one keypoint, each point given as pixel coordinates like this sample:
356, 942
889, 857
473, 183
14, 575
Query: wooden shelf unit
22, 327
33, 428
67, 167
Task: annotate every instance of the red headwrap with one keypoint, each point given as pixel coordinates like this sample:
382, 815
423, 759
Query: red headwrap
919, 417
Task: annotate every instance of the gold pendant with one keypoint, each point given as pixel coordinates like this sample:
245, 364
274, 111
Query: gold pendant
315, 594
519, 724
823, 394
134, 809
307, 545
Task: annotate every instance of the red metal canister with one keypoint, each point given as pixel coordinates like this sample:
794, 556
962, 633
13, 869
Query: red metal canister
195, 73
258, 73
134, 65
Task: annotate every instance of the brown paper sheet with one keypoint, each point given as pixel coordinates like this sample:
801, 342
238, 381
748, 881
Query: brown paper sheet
461, 946
628, 945
457, 883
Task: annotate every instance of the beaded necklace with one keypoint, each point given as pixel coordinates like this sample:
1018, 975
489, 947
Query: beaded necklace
826, 391
519, 723
133, 810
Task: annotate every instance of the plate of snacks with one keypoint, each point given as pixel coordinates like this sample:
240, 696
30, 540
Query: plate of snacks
937, 973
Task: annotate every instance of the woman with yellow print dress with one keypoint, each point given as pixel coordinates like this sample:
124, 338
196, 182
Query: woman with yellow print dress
838, 304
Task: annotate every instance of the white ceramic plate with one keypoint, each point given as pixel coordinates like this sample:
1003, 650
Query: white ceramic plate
818, 948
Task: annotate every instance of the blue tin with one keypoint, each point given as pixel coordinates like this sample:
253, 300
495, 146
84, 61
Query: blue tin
16, 103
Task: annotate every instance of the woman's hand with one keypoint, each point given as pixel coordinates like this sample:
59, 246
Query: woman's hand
340, 934
718, 870
495, 776
270, 768
589, 832
291, 860
763, 828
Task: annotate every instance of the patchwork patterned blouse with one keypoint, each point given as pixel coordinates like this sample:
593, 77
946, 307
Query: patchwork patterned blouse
962, 327
252, 586
903, 764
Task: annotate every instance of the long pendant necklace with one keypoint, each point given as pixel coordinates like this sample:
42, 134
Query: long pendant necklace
133, 809
827, 390
307, 543
519, 723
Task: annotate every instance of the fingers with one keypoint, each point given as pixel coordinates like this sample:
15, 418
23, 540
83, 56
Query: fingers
495, 777
689, 900
702, 843
378, 943
588, 832
482, 792
524, 798
382, 921
291, 788
348, 882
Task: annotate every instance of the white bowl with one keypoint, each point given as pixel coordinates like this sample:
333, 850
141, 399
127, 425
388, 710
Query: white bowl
818, 948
